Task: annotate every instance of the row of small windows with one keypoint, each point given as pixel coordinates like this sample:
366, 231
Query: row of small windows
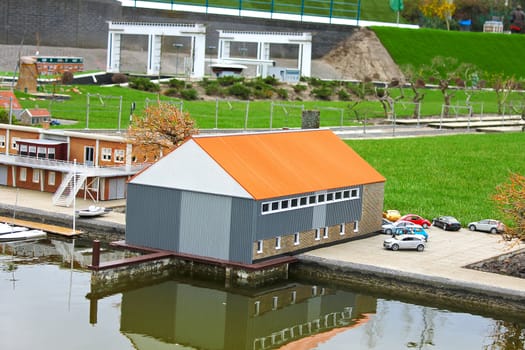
315, 291
306, 201
296, 237
36, 176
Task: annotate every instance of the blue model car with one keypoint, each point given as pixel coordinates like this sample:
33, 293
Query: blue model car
411, 230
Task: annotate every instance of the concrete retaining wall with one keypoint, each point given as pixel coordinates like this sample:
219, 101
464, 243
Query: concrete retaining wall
82, 23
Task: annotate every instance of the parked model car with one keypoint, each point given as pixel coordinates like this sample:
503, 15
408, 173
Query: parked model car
412, 230
405, 242
392, 215
447, 223
487, 225
390, 228
416, 219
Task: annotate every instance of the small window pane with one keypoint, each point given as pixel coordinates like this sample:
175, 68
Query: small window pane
330, 197
294, 202
275, 205
312, 199
320, 198
284, 204
303, 201
265, 207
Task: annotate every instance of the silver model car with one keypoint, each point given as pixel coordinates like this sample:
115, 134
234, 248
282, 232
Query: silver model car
390, 228
405, 242
487, 225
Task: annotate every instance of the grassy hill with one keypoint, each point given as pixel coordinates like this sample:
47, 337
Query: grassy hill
490, 52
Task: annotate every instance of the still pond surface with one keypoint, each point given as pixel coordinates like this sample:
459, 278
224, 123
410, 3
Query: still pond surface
44, 305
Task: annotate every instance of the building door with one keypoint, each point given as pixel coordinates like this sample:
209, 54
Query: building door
3, 175
117, 188
89, 155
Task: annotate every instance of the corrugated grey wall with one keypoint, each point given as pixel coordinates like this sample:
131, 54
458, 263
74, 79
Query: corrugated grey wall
152, 217
244, 213
205, 225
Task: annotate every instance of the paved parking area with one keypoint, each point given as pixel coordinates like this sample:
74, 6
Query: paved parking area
445, 257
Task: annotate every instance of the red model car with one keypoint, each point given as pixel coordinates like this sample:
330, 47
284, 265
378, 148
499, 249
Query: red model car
416, 219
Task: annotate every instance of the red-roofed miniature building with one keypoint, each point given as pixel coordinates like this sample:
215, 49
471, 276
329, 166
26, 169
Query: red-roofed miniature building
246, 198
35, 116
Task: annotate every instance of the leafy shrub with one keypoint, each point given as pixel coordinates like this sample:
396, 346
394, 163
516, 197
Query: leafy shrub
343, 95
176, 83
143, 84
282, 93
189, 94
299, 88
229, 80
322, 93
119, 78
67, 78
271, 80
171, 92
240, 91
4, 116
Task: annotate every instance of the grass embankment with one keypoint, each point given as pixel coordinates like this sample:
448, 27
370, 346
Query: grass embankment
446, 175
490, 52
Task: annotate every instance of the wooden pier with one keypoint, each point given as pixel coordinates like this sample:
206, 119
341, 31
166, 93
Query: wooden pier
58, 230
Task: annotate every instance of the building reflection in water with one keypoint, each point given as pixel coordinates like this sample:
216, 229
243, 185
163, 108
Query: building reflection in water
201, 317
205, 315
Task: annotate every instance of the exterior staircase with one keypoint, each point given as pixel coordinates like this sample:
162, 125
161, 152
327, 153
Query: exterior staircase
68, 189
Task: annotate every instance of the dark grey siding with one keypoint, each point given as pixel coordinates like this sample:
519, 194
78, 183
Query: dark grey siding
304, 219
242, 236
205, 225
152, 217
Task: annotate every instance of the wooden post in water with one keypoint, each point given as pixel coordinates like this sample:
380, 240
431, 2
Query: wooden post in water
95, 258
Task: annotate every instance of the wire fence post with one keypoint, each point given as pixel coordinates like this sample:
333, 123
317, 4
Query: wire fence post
87, 112
216, 113
119, 113
246, 115
271, 115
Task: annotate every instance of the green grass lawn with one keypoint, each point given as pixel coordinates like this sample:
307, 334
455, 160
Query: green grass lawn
104, 112
445, 175
490, 52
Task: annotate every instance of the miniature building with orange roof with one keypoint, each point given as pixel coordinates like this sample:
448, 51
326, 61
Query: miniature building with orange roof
247, 198
34, 116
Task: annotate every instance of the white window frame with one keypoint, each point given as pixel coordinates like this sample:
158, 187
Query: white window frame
296, 238
278, 242
106, 154
317, 234
2, 141
36, 176
51, 154
260, 246
23, 174
323, 198
14, 145
325, 233
120, 156
356, 226
342, 229
51, 177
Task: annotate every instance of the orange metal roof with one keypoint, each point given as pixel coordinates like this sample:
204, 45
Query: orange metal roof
7, 97
278, 164
39, 112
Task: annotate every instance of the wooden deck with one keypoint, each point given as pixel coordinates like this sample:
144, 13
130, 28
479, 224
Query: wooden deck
59, 230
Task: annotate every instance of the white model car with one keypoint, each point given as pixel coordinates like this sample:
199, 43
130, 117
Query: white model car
416, 242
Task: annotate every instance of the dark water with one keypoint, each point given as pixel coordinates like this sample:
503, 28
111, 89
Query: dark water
44, 305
